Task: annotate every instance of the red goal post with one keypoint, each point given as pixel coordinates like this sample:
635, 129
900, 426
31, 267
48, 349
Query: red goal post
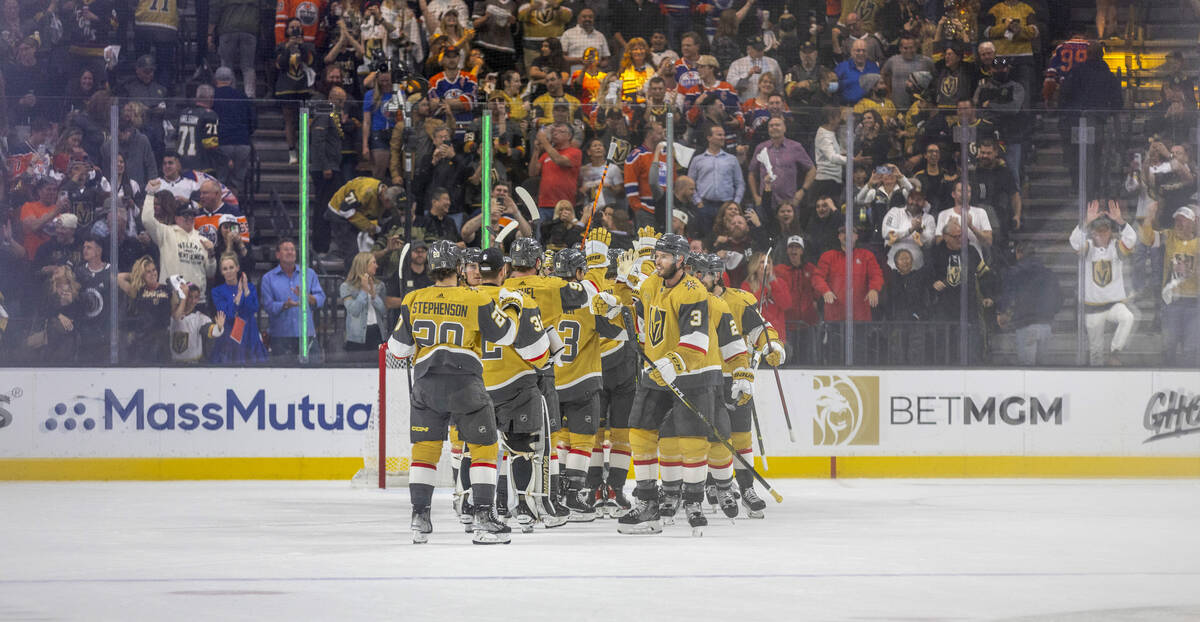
387, 441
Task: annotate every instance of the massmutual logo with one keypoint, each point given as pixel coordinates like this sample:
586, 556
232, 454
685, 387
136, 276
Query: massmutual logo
1170, 414
847, 410
113, 412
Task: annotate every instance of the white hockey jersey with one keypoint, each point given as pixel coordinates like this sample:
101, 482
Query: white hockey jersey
1105, 280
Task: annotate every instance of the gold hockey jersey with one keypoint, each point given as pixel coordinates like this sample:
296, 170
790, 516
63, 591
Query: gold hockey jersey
508, 368
753, 326
552, 295
579, 370
443, 329
723, 328
676, 319
358, 202
624, 295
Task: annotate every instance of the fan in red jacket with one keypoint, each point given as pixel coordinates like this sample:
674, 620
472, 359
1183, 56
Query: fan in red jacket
796, 275
774, 298
830, 281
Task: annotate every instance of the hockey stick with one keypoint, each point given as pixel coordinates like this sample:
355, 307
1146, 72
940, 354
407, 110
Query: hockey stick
787, 418
762, 450
712, 427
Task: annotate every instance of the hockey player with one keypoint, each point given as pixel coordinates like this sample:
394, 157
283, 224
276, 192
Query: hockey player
738, 385
762, 341
619, 364
578, 377
674, 314
441, 333
510, 376
552, 296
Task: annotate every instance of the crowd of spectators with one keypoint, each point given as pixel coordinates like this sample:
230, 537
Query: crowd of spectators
764, 95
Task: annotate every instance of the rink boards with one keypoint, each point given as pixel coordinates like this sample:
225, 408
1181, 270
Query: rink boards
149, 424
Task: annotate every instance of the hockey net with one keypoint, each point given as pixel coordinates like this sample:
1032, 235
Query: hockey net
387, 442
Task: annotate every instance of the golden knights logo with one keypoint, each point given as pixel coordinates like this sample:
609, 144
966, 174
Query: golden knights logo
954, 272
657, 326
1102, 272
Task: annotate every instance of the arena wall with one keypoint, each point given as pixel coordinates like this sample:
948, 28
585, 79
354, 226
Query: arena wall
151, 424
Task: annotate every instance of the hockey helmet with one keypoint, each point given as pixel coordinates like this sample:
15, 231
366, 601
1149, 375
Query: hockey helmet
443, 255
716, 264
470, 255
672, 243
696, 261
568, 261
525, 253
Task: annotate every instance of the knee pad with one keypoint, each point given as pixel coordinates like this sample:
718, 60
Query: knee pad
619, 437
483, 453
644, 443
669, 449
580, 442
739, 440
693, 450
719, 456
561, 438
427, 452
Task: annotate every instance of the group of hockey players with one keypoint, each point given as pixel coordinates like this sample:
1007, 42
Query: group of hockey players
568, 367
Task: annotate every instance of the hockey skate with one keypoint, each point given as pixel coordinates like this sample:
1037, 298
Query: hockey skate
487, 529
753, 503
695, 517
728, 502
464, 509
578, 503
668, 503
711, 496
618, 504
553, 515
643, 518
421, 526
526, 519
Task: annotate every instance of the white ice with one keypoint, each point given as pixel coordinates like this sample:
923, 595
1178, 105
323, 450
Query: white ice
846, 549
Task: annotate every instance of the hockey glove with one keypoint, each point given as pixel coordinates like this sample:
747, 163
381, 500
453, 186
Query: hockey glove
743, 387
626, 266
605, 304
647, 238
511, 301
666, 369
596, 247
775, 353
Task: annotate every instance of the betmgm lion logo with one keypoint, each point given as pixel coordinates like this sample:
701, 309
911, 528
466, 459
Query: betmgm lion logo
847, 410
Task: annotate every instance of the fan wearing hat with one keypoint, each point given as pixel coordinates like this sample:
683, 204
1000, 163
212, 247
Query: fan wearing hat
744, 72
875, 97
183, 250
63, 249
711, 89
795, 275
1104, 292
452, 90
1180, 322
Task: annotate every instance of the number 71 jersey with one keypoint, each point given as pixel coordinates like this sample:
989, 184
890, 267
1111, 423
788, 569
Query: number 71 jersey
443, 330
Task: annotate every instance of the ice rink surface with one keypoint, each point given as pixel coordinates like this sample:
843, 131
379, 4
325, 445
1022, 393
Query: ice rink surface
834, 550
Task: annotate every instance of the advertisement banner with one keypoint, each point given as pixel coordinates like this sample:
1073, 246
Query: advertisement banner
231, 423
